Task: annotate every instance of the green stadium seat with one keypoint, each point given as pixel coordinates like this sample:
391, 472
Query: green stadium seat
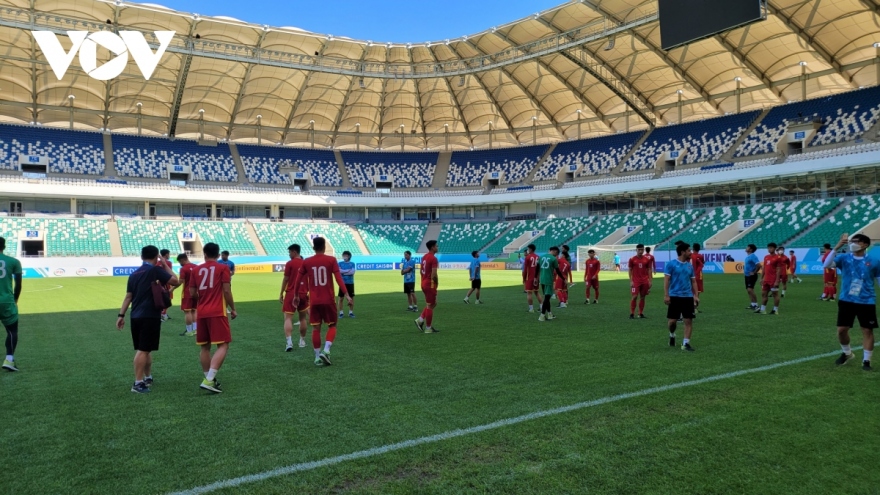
852, 218
782, 221
392, 239
231, 236
276, 237
63, 236
461, 237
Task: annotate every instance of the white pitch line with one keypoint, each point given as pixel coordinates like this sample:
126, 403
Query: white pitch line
44, 290
362, 454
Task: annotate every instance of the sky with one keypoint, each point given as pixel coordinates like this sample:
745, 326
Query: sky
396, 21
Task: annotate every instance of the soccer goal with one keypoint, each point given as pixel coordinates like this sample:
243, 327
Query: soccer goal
605, 254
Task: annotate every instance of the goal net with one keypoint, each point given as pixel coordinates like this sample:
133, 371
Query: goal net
605, 255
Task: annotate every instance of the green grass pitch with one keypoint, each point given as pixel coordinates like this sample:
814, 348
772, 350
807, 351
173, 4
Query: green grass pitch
70, 424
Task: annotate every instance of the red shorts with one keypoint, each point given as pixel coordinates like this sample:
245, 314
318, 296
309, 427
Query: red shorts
323, 313
186, 304
213, 331
592, 283
560, 284
784, 278
288, 303
700, 283
793, 269
832, 280
768, 286
430, 295
531, 285
640, 290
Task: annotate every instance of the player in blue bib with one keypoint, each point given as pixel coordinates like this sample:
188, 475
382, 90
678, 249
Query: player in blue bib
750, 270
857, 298
476, 281
347, 269
408, 270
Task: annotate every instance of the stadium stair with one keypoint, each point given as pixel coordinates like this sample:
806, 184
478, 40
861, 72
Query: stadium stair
547, 154
501, 234
346, 183
358, 238
239, 166
728, 155
433, 231
115, 241
825, 224
109, 169
442, 170
619, 168
255, 239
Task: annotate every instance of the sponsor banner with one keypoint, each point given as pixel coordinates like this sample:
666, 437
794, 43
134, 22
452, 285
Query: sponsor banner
493, 265
278, 268
33, 273
513, 266
455, 266
367, 267
124, 271
734, 267
254, 268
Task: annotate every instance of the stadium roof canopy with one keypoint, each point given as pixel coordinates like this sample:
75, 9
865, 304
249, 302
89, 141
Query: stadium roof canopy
586, 67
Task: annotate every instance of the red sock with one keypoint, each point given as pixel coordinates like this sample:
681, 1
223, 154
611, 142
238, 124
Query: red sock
632, 306
641, 306
429, 318
331, 334
424, 312
316, 338
588, 293
597, 293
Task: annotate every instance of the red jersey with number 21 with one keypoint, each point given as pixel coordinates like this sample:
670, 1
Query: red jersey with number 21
429, 266
208, 280
321, 270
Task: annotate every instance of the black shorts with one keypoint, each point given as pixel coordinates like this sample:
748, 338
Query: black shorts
409, 287
680, 307
349, 288
476, 283
751, 281
847, 313
145, 333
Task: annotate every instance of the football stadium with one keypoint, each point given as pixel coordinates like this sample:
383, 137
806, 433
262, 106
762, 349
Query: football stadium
615, 246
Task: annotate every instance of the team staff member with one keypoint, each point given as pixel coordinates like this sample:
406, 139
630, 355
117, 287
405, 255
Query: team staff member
224, 260
347, 269
288, 292
750, 269
858, 299
475, 277
408, 270
680, 288
146, 319
430, 282
10, 289
211, 290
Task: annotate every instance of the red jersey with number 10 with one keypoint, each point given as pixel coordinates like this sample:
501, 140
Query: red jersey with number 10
320, 270
208, 281
593, 266
640, 268
429, 266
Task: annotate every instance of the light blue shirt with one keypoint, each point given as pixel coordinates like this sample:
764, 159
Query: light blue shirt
616, 260
680, 276
228, 263
347, 269
859, 271
475, 269
752, 263
409, 277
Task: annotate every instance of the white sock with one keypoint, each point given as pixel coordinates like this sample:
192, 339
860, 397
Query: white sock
846, 349
317, 353
671, 335
783, 293
763, 308
327, 346
775, 308
420, 319
531, 307
685, 341
867, 355
212, 373
10, 358
427, 328
195, 326
289, 340
150, 376
189, 328
205, 373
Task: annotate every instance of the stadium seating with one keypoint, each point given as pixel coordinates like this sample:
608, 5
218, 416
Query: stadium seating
461, 237
149, 157
658, 226
605, 227
276, 237
556, 232
231, 236
69, 152
845, 117
608, 180
392, 238
262, 164
467, 168
782, 221
704, 140
599, 155
852, 218
410, 170
63, 236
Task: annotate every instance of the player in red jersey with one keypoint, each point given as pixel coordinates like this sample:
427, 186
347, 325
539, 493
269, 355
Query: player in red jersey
786, 266
567, 255
561, 283
318, 272
698, 262
430, 281
211, 291
187, 271
640, 281
829, 276
164, 259
792, 258
772, 275
651, 260
591, 275
288, 293
530, 277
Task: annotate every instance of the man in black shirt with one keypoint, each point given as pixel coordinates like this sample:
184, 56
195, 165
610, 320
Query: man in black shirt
146, 319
